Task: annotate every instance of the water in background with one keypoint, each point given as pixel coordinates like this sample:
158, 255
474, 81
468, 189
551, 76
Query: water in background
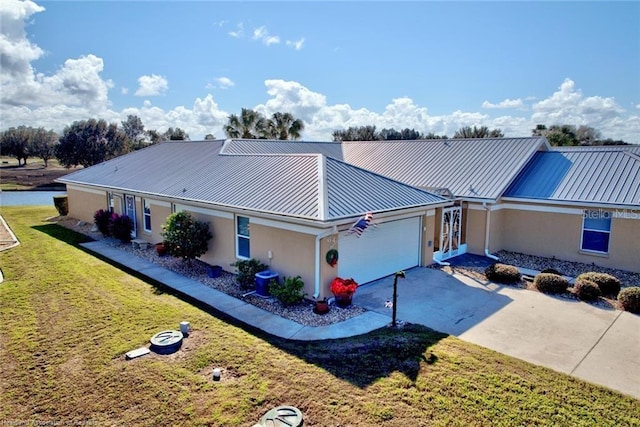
28, 198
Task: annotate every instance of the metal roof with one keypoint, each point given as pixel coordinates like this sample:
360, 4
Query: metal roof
585, 175
472, 168
308, 186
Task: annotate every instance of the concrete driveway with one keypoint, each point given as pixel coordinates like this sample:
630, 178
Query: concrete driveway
599, 345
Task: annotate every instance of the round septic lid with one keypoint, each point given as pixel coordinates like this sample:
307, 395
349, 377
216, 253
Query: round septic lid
167, 341
282, 416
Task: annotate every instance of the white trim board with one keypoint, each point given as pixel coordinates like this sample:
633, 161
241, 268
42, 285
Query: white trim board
180, 207
530, 208
86, 189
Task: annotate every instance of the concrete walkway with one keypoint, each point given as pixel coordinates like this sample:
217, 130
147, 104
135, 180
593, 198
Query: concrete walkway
599, 345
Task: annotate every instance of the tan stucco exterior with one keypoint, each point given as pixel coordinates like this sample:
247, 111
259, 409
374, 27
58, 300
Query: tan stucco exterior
557, 233
292, 253
475, 222
83, 202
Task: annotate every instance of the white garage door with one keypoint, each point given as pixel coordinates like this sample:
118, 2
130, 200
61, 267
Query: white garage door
380, 251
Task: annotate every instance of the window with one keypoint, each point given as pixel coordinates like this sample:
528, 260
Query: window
596, 229
146, 213
110, 203
242, 237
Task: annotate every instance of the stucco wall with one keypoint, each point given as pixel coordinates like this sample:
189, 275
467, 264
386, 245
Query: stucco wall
159, 213
475, 228
555, 234
428, 238
293, 253
327, 273
83, 203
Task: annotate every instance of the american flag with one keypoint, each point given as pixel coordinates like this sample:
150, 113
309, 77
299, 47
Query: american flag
361, 224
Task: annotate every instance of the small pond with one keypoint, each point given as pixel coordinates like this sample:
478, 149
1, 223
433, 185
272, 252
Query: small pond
28, 198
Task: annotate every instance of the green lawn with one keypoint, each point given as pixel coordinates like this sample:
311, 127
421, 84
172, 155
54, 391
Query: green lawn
67, 318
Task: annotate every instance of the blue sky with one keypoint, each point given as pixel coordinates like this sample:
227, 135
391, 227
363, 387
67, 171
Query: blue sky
433, 66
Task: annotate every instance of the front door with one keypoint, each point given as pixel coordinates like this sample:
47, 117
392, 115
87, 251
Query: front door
450, 232
130, 211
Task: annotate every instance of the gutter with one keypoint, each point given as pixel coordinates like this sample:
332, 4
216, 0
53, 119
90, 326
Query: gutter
486, 233
320, 236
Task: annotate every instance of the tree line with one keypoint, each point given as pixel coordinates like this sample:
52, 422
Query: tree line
88, 142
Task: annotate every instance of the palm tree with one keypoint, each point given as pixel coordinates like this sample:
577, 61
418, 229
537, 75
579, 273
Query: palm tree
250, 125
285, 126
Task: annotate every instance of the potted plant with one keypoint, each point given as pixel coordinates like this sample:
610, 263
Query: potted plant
321, 307
161, 249
343, 290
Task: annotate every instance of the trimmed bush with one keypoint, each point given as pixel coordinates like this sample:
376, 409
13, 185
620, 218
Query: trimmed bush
551, 271
608, 284
120, 227
185, 237
101, 218
246, 271
586, 290
503, 273
289, 292
630, 299
62, 204
550, 283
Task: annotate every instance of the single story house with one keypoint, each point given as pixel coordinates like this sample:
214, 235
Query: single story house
287, 210
517, 194
288, 203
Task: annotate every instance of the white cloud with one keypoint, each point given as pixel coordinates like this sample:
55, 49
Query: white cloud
124, 90
225, 82
297, 45
238, 32
263, 35
507, 103
152, 85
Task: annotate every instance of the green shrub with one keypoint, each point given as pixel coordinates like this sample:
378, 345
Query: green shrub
289, 292
608, 284
551, 271
503, 273
120, 227
246, 271
62, 204
185, 237
101, 218
550, 283
586, 290
630, 299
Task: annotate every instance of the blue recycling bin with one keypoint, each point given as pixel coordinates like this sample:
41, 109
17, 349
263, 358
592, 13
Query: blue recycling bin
262, 282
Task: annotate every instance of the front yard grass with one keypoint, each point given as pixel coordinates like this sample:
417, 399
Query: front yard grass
67, 318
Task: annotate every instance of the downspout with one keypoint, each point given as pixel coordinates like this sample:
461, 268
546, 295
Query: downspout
486, 233
319, 237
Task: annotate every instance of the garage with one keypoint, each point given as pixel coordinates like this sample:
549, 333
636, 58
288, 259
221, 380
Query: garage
380, 251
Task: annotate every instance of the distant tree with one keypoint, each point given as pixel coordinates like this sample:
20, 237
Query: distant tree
249, 125
43, 144
432, 135
284, 126
16, 143
356, 133
587, 135
478, 132
209, 136
176, 134
89, 142
570, 135
133, 128
154, 136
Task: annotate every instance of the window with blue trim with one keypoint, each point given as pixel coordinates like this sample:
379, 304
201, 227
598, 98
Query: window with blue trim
243, 249
596, 230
